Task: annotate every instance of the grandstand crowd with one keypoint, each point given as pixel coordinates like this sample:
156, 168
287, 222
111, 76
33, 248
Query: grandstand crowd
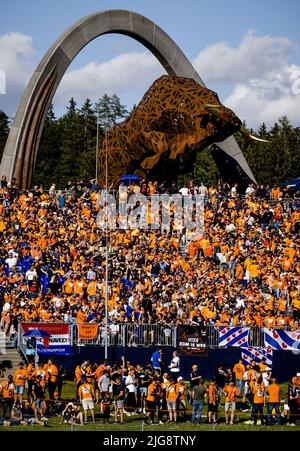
242, 271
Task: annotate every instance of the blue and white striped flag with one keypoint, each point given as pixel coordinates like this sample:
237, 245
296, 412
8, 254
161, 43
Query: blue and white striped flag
256, 354
281, 339
233, 336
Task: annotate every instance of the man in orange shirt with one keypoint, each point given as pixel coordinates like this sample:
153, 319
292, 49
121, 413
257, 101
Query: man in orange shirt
239, 370
86, 396
152, 399
212, 401
231, 392
273, 394
52, 373
20, 377
181, 390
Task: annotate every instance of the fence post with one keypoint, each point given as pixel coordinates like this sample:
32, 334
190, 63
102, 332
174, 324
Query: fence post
174, 336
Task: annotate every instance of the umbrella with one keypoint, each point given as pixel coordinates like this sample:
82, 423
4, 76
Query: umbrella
130, 178
37, 333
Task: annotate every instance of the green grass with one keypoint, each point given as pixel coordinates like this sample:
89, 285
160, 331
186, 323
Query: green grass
135, 423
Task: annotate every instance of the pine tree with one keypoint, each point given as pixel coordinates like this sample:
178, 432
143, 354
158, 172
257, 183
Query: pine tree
45, 172
89, 121
4, 131
70, 167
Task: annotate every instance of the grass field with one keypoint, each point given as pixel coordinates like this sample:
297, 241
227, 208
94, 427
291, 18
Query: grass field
135, 423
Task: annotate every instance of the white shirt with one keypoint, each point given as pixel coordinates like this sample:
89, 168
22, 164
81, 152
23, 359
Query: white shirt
11, 261
31, 275
184, 191
130, 381
175, 362
6, 307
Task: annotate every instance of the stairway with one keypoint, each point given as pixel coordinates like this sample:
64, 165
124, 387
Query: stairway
9, 356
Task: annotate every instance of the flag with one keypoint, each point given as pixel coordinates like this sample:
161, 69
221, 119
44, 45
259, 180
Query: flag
233, 336
281, 339
256, 354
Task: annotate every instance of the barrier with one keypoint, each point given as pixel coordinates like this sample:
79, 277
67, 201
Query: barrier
137, 335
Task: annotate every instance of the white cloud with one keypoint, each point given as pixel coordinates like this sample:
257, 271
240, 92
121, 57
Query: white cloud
264, 85
128, 71
260, 82
17, 56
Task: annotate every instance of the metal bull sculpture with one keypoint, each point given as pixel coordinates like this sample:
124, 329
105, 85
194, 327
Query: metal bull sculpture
175, 114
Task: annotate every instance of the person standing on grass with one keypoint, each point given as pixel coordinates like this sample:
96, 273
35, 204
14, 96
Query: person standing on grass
258, 390
39, 398
153, 398
52, 373
86, 396
172, 395
273, 392
239, 370
181, 401
8, 390
119, 401
20, 377
212, 401
199, 393
231, 392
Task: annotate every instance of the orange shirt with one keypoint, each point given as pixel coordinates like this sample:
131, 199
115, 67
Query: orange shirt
52, 373
92, 288
151, 389
86, 391
231, 392
181, 390
258, 391
172, 392
8, 389
20, 377
274, 393
239, 370
212, 394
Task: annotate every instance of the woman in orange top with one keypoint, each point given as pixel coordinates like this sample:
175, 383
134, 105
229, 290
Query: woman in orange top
171, 396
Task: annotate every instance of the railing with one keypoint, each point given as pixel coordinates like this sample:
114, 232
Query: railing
129, 334
21, 341
141, 335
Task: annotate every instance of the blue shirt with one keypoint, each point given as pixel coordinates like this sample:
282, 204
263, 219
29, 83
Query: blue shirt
155, 361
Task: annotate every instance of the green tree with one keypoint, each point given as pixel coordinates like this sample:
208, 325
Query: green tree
110, 111
4, 130
48, 154
89, 123
69, 167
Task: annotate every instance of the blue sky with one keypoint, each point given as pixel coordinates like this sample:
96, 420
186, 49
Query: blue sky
248, 51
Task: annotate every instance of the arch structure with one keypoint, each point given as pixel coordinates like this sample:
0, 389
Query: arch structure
22, 144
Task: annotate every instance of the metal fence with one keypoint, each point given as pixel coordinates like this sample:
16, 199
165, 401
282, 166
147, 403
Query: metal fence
130, 334
142, 335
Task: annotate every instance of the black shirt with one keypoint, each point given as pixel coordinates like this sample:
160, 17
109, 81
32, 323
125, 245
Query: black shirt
192, 375
38, 391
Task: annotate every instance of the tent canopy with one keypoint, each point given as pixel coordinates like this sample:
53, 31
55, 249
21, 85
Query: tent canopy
130, 178
292, 185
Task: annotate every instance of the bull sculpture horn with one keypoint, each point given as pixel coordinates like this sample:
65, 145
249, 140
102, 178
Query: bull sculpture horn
213, 109
246, 133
